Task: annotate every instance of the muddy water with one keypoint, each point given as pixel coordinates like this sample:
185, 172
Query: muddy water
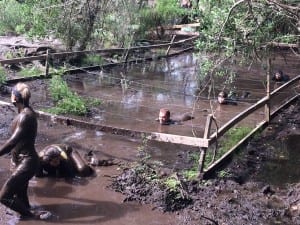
134, 104
282, 168
133, 96
83, 200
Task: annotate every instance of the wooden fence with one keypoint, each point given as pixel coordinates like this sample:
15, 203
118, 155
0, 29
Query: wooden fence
264, 102
44, 57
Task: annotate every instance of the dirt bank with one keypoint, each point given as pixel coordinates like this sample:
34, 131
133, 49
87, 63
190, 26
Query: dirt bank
237, 195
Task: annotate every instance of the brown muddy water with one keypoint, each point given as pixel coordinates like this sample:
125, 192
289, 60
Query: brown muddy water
131, 98
83, 200
282, 168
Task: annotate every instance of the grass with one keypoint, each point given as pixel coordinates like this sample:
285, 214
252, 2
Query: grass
2, 76
91, 60
67, 101
230, 139
172, 183
192, 173
30, 72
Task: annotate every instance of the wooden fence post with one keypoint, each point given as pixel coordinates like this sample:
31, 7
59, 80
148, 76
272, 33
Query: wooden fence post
203, 149
169, 47
267, 106
47, 64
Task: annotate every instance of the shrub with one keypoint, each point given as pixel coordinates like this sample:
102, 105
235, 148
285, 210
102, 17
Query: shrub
66, 100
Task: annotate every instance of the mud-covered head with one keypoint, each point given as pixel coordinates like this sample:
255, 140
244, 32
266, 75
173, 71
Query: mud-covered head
222, 97
20, 94
164, 116
53, 155
278, 75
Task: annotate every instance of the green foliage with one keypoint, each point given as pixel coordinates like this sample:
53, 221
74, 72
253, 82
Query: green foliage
66, 100
172, 183
12, 17
91, 60
243, 29
228, 141
224, 173
2, 76
30, 72
233, 136
165, 12
193, 172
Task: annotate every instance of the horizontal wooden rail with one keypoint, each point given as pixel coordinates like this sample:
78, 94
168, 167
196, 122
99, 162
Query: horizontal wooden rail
116, 50
285, 85
178, 139
97, 67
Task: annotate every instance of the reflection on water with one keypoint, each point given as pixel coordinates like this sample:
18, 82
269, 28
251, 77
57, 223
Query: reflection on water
283, 167
132, 96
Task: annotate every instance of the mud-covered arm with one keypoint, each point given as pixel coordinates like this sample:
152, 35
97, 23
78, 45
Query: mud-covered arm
17, 135
40, 171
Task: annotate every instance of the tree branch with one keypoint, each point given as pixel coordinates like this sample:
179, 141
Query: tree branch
228, 16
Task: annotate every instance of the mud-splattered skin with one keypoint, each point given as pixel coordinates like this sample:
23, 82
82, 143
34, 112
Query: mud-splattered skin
62, 161
21, 145
24, 131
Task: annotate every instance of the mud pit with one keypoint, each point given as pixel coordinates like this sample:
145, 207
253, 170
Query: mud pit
81, 200
238, 198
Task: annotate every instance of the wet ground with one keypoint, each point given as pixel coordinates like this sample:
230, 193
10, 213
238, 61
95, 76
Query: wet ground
171, 84
259, 186
82, 200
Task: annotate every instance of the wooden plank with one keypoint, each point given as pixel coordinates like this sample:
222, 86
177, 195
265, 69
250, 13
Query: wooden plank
179, 26
285, 85
24, 59
268, 106
177, 139
207, 126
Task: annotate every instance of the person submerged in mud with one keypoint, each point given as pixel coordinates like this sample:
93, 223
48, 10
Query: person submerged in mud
60, 160
164, 117
233, 99
279, 76
24, 156
223, 99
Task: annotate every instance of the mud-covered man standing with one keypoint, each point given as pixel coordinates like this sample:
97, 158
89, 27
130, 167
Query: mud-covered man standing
21, 145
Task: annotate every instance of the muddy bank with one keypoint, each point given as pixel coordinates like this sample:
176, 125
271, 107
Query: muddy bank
240, 194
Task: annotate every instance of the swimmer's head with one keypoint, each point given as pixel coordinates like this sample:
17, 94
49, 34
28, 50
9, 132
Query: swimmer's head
164, 116
278, 75
222, 97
